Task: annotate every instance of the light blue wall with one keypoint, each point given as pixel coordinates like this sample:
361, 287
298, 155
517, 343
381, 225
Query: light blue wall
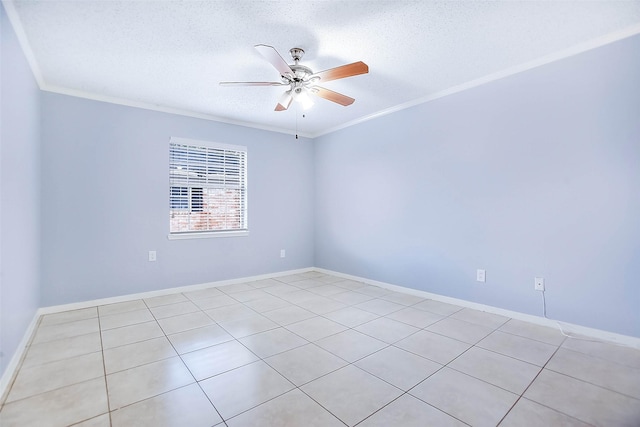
19, 193
537, 174
105, 202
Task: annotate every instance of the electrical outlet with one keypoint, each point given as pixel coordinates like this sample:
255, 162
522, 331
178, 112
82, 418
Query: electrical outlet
539, 284
282, 253
152, 255
480, 275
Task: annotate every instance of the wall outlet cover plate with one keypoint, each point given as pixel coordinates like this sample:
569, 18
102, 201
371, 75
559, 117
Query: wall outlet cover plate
481, 275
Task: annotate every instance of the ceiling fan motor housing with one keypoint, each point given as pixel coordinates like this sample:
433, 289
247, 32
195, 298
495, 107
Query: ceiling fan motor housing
300, 72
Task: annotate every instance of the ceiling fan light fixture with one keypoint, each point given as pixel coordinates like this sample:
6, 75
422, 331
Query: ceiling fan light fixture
301, 96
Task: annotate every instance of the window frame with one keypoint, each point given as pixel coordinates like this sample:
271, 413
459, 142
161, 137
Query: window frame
190, 196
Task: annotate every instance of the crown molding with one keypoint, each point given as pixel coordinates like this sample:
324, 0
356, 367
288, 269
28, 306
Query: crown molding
556, 56
14, 19
165, 109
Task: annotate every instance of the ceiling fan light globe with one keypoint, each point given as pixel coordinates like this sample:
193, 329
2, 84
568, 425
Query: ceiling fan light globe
303, 98
307, 104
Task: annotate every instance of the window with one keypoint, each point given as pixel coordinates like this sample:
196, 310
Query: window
207, 189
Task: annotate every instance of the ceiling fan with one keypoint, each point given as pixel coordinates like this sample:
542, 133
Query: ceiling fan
301, 80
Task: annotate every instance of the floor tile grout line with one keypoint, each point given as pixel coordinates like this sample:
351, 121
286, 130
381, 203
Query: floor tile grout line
382, 379
593, 384
508, 355
53, 390
323, 315
323, 407
560, 347
100, 330
406, 393
59, 360
614, 362
70, 384
337, 333
143, 364
58, 339
547, 407
148, 363
37, 329
156, 319
323, 375
121, 312
476, 345
295, 386
186, 367
529, 337
152, 397
387, 343
165, 336
443, 365
68, 321
259, 404
193, 376
24, 357
528, 386
375, 376
104, 371
134, 342
186, 299
424, 401
485, 381
463, 373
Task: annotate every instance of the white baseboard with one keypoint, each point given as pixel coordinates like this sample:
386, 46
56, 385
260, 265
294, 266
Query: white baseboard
12, 368
9, 374
168, 291
583, 331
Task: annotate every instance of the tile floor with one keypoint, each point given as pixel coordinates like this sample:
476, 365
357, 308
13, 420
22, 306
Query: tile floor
314, 350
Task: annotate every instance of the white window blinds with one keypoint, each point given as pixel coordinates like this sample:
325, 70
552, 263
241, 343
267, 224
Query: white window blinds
207, 186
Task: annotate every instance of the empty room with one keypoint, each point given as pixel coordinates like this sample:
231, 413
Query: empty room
319, 213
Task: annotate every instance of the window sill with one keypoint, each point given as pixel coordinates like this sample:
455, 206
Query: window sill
208, 234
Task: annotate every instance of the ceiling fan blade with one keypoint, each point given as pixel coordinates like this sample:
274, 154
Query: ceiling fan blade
272, 55
285, 101
343, 71
330, 95
252, 84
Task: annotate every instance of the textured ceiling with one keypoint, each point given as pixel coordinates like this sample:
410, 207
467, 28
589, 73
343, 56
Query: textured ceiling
171, 55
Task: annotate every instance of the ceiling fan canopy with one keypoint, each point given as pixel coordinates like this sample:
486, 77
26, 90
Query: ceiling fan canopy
302, 81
